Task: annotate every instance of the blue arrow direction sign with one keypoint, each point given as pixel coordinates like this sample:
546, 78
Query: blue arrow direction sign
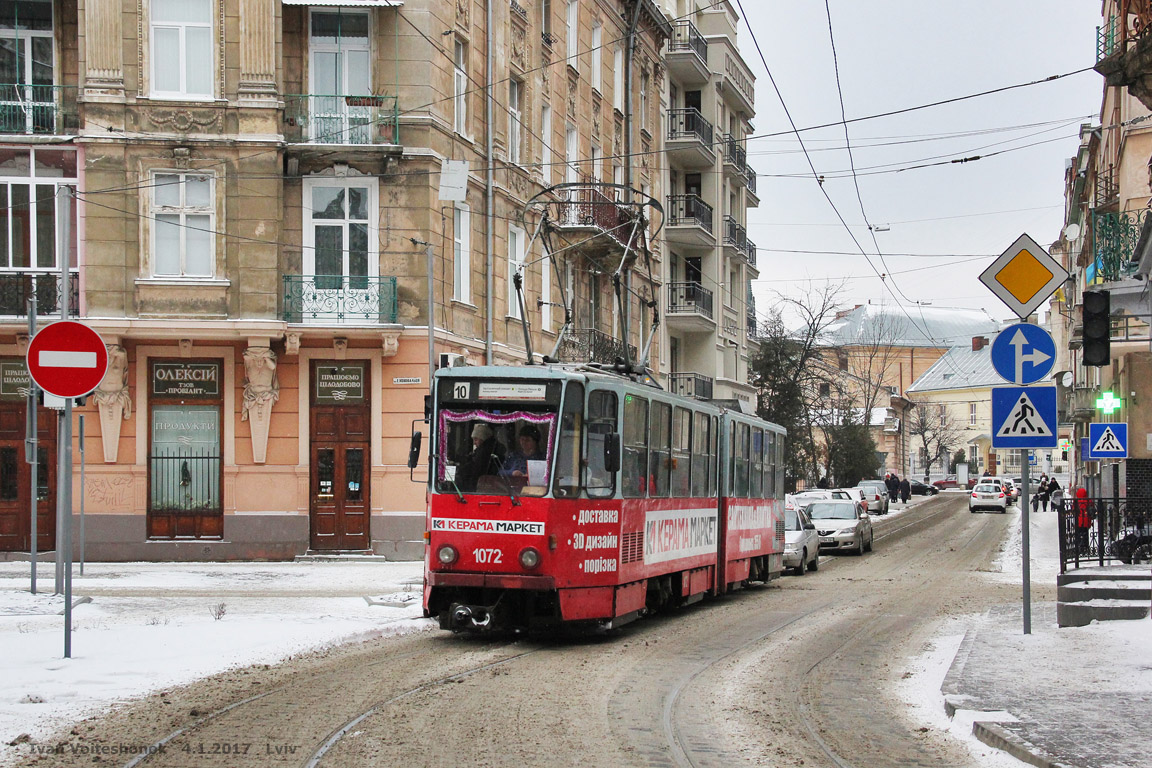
1108, 441
1024, 417
1023, 354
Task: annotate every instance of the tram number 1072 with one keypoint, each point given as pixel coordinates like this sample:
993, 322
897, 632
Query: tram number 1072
487, 555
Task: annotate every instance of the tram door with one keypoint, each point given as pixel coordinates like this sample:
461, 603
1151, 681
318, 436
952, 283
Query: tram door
340, 501
16, 478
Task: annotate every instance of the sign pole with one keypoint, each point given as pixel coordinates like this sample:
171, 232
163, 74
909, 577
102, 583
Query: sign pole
66, 430
1025, 548
33, 452
81, 418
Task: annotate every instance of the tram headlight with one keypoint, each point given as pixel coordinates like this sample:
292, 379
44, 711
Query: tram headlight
529, 557
447, 554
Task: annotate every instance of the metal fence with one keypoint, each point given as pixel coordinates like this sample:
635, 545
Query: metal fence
17, 287
38, 109
185, 482
339, 299
1105, 531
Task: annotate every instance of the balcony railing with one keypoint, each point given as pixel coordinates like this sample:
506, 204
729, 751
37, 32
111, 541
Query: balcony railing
588, 345
690, 385
735, 236
1114, 237
1107, 188
688, 211
750, 252
689, 124
690, 297
685, 37
326, 119
38, 109
17, 287
753, 326
339, 299
518, 9
734, 153
1108, 38
589, 207
750, 179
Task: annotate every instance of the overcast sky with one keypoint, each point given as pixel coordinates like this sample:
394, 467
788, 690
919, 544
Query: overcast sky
895, 54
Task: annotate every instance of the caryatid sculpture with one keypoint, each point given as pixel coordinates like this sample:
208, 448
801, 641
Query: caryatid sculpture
113, 400
261, 391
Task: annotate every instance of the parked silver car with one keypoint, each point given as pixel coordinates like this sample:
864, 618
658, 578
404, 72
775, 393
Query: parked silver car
842, 525
801, 542
876, 494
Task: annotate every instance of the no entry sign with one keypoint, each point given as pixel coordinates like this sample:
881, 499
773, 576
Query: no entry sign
67, 359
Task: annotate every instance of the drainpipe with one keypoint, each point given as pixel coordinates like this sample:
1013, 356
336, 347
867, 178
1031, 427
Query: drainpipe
489, 188
629, 56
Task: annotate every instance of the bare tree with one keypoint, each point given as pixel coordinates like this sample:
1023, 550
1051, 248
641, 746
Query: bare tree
937, 431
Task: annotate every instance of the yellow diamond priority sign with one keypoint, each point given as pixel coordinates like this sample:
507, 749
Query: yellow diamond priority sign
1024, 276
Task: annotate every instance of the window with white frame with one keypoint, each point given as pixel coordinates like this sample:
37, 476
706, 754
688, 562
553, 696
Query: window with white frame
546, 293
972, 455
618, 78
546, 20
573, 31
597, 59
644, 101
515, 265
571, 155
460, 88
182, 58
340, 248
462, 253
515, 120
971, 414
184, 216
340, 66
546, 143
596, 162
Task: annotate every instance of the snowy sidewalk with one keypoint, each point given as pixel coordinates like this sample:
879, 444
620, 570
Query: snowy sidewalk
155, 625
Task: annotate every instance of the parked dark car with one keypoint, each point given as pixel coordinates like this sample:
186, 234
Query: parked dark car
922, 489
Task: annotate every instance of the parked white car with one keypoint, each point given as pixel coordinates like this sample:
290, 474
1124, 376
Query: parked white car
801, 542
988, 495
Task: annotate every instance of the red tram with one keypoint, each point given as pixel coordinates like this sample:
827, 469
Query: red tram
562, 495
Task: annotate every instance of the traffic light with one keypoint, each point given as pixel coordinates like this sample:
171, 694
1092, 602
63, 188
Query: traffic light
1097, 328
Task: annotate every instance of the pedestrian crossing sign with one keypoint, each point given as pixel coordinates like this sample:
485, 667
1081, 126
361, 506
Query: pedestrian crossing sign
1024, 417
1108, 441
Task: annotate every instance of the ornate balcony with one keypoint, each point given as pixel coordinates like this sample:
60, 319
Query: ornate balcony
690, 138
338, 299
689, 222
687, 57
690, 385
1114, 237
589, 209
690, 307
588, 345
17, 287
38, 109
357, 119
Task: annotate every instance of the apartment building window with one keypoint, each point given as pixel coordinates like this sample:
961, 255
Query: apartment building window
597, 59
573, 31
340, 248
515, 120
971, 414
618, 79
546, 143
546, 295
515, 264
184, 216
597, 161
972, 456
462, 253
571, 155
460, 88
340, 67
182, 60
546, 21
644, 102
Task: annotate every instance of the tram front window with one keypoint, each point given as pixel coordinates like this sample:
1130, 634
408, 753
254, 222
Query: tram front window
493, 452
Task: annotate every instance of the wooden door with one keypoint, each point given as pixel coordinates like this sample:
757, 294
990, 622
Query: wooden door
340, 508
16, 479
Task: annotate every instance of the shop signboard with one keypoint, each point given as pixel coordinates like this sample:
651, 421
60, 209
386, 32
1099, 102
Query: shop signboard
14, 379
186, 379
340, 384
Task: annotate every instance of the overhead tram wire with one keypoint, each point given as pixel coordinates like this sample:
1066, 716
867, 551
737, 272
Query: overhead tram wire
815, 174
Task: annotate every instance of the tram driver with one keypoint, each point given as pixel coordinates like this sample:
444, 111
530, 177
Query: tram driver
486, 458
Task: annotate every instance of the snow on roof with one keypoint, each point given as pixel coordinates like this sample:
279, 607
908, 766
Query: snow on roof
918, 326
959, 368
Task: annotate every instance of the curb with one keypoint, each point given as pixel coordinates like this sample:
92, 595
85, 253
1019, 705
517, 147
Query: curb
994, 735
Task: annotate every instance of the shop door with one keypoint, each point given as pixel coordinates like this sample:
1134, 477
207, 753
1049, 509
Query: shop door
16, 479
340, 500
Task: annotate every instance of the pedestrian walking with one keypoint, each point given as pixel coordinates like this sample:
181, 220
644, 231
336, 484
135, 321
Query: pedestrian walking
893, 488
1055, 494
1043, 492
905, 490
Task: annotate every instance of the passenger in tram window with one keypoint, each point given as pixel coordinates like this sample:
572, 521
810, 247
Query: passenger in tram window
486, 458
516, 465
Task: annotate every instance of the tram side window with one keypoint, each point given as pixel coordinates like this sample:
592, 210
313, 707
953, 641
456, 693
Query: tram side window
781, 446
601, 422
769, 465
571, 435
700, 435
660, 454
635, 458
741, 490
713, 457
682, 453
756, 479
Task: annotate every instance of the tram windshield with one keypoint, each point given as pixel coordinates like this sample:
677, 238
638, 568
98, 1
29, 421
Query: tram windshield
495, 452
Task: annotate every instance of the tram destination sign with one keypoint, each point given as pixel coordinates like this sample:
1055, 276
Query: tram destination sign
337, 384
186, 379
